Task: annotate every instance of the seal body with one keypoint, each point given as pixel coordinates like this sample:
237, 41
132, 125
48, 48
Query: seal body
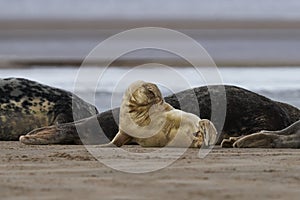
180, 129
26, 105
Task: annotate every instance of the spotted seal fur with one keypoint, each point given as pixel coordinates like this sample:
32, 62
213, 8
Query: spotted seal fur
26, 105
247, 113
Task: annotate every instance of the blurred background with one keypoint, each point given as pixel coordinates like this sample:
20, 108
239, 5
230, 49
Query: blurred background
255, 44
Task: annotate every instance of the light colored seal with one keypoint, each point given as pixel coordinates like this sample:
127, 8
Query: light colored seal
26, 105
145, 118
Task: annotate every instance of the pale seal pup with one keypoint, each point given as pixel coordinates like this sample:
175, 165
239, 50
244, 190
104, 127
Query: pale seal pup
26, 105
145, 118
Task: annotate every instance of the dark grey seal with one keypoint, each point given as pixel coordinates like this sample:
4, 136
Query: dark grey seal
26, 105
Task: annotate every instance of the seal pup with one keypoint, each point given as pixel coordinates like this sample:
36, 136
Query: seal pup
145, 118
26, 105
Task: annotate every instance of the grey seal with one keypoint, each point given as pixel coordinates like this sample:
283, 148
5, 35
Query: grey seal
26, 105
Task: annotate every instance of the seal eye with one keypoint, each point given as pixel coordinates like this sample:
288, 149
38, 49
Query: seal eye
151, 94
150, 91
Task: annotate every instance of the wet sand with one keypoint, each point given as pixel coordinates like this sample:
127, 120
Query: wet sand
65, 172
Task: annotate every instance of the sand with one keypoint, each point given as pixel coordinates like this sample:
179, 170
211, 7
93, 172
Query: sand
70, 172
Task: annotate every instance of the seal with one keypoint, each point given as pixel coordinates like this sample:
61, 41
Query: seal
145, 118
246, 113
26, 105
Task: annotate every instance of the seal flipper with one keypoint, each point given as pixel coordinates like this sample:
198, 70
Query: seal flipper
267, 139
119, 140
48, 135
228, 143
285, 138
209, 132
258, 140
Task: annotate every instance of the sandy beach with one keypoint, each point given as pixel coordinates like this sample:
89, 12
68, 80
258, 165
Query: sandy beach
65, 172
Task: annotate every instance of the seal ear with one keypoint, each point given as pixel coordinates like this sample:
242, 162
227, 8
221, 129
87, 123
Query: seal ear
208, 131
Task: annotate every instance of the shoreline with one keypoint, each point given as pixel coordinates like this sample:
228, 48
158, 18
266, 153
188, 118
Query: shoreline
227, 47
76, 62
129, 23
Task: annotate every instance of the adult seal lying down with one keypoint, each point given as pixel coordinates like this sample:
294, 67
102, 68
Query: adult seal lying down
26, 105
247, 115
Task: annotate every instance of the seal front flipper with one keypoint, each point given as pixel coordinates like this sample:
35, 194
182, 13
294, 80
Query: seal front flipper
119, 140
49, 135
